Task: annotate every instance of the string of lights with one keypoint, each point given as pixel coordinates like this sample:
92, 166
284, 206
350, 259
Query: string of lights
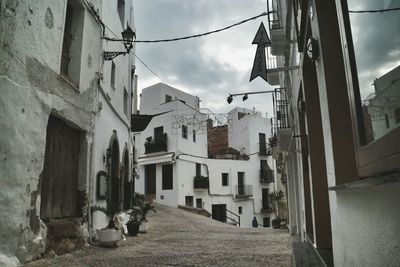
206, 33
374, 11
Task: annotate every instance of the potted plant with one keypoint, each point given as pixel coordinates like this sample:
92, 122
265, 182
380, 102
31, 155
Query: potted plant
144, 226
275, 198
137, 221
110, 235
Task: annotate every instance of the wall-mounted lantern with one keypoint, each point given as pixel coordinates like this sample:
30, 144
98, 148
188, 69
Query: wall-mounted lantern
312, 50
128, 36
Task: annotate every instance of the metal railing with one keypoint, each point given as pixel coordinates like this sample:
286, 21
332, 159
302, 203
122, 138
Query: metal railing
157, 145
267, 176
243, 191
201, 182
235, 220
264, 149
275, 17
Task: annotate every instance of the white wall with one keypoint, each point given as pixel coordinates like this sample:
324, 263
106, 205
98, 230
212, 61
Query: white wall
366, 226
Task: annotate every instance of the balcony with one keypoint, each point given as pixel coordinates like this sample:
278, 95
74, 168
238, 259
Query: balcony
282, 131
266, 208
272, 64
159, 144
201, 182
266, 176
244, 191
277, 27
264, 150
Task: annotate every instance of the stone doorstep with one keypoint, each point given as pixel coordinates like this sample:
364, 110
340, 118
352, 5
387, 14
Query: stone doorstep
64, 236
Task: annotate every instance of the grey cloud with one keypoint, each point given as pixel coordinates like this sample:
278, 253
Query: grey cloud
198, 73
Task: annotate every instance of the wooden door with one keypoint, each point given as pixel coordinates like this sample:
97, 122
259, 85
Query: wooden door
59, 187
241, 183
150, 180
265, 199
219, 212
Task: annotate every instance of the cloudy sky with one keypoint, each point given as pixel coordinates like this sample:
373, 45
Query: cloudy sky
209, 67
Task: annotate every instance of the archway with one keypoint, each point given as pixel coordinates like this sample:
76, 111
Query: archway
114, 175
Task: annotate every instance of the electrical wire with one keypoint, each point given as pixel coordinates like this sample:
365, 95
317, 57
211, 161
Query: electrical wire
141, 61
374, 11
206, 33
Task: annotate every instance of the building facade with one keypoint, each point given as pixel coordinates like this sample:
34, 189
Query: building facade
57, 99
175, 165
340, 62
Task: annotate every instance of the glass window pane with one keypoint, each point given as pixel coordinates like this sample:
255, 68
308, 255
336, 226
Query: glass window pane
376, 40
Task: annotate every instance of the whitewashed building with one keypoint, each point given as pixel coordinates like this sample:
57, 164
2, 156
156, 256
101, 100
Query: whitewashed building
62, 105
340, 146
174, 165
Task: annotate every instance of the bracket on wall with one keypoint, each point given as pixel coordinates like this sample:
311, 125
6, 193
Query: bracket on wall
112, 55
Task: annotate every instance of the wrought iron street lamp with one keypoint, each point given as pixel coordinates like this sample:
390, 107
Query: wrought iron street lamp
128, 36
229, 99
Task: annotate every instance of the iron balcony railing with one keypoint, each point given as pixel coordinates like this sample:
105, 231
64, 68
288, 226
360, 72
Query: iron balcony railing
157, 145
267, 176
264, 149
274, 14
243, 191
201, 182
266, 208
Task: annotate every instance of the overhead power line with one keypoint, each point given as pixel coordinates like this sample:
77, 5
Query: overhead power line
374, 10
141, 61
206, 33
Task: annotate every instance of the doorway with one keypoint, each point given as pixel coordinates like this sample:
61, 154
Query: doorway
115, 179
265, 199
241, 183
127, 189
59, 186
150, 181
219, 212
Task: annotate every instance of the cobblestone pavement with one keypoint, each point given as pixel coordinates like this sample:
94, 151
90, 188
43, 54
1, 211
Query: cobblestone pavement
179, 238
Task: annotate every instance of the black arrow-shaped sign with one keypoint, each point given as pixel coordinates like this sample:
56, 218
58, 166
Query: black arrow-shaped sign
259, 65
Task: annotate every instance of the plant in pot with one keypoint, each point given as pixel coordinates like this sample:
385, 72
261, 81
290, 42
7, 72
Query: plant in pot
146, 207
137, 221
275, 198
110, 235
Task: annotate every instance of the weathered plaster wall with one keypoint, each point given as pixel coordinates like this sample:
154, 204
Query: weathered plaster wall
366, 226
31, 89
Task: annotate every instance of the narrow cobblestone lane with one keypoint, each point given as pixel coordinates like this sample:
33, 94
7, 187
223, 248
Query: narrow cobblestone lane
180, 238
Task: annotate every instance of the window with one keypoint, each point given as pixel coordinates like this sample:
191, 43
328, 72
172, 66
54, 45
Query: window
189, 201
184, 132
375, 72
167, 177
199, 203
241, 115
70, 65
194, 136
225, 177
158, 132
240, 209
168, 98
198, 169
397, 115
262, 143
121, 11
113, 75
126, 103
266, 222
